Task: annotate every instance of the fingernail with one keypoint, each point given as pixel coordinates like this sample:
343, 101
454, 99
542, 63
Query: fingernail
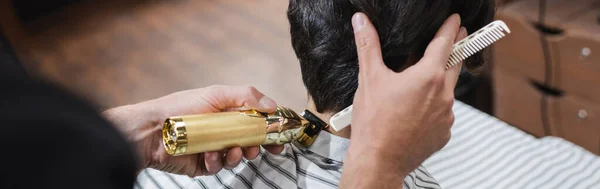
358, 21
267, 103
215, 157
463, 31
459, 18
453, 17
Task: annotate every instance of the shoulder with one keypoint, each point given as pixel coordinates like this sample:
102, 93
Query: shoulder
53, 133
265, 171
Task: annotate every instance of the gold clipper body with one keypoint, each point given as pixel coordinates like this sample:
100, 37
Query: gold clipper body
193, 134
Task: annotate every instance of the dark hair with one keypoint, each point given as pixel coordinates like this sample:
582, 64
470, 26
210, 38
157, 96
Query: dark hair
323, 38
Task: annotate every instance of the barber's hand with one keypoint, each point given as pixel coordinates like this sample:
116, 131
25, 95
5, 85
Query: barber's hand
142, 125
403, 118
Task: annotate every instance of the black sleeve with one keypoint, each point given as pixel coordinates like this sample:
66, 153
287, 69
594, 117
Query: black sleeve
9, 65
51, 139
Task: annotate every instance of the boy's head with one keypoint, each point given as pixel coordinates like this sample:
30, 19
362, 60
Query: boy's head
323, 39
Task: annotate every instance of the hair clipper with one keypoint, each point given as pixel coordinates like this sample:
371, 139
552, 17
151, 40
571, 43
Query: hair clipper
191, 134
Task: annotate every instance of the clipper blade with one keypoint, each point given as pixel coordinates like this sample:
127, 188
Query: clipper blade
462, 50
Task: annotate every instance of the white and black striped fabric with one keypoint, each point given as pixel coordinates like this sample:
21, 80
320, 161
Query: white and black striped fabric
317, 167
485, 152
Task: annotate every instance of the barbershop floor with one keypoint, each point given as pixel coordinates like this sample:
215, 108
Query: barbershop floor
122, 52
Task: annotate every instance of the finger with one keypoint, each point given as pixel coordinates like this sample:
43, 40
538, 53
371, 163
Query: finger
233, 158
438, 51
453, 73
225, 97
251, 152
274, 149
200, 167
213, 162
367, 45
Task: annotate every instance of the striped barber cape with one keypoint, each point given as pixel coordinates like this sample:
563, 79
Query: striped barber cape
317, 167
485, 152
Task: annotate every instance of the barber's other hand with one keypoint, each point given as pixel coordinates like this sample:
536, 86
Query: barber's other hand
142, 125
403, 118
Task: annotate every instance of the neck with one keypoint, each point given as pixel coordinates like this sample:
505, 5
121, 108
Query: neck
345, 133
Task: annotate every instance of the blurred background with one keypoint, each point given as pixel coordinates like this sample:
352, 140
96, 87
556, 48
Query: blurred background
121, 52
544, 78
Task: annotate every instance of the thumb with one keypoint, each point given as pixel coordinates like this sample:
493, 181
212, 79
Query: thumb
226, 97
367, 45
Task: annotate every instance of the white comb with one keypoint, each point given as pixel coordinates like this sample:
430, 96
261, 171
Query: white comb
462, 50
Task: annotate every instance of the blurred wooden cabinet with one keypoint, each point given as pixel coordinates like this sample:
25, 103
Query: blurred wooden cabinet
546, 74
576, 120
518, 102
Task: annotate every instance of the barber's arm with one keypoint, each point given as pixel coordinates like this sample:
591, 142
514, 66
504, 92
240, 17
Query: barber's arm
399, 119
142, 125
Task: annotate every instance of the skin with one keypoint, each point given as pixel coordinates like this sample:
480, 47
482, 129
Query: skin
415, 115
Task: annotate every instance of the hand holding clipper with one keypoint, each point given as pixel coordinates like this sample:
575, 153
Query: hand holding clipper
142, 124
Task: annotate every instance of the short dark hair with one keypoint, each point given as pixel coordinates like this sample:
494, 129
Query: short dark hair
323, 38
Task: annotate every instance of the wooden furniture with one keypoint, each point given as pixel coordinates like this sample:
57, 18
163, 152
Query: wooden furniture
546, 74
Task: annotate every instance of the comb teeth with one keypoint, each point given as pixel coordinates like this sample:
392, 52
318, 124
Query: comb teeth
460, 52
477, 42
